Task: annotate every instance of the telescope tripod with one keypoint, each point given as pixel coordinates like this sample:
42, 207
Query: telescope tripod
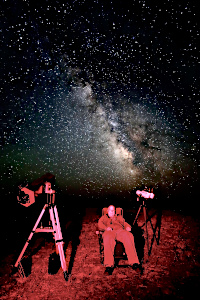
143, 206
56, 230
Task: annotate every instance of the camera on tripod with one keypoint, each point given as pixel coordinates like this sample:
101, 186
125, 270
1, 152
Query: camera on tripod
146, 193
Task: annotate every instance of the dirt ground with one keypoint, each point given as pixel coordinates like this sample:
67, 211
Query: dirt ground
171, 271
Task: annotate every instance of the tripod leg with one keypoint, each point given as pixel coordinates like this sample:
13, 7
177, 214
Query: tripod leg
58, 239
61, 252
154, 232
30, 236
153, 229
137, 215
58, 224
52, 217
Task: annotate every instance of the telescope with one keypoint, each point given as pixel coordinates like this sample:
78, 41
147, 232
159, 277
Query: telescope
145, 194
26, 198
28, 193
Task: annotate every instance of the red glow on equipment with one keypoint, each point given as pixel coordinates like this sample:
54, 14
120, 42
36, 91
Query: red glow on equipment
27, 197
28, 193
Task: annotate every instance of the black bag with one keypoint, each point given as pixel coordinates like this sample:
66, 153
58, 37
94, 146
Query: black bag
54, 263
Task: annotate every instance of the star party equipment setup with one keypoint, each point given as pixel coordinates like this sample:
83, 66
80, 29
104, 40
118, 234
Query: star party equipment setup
26, 198
143, 196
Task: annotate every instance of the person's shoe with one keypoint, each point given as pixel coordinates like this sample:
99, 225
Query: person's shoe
108, 271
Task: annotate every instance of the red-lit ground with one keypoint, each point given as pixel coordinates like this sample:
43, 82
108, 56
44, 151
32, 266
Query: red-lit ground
171, 271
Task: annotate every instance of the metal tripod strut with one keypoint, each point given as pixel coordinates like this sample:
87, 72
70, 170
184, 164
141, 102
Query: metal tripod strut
143, 205
56, 230
58, 236
30, 236
145, 220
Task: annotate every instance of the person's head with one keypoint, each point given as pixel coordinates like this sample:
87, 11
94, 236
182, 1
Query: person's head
111, 211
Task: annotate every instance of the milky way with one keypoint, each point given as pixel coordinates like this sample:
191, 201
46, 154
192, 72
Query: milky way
103, 106
116, 143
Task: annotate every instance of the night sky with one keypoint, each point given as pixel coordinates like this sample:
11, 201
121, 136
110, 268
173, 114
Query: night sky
102, 94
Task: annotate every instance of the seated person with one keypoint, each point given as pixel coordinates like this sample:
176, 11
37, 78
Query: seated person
116, 229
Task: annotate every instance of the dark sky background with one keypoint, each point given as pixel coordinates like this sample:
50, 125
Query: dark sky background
102, 94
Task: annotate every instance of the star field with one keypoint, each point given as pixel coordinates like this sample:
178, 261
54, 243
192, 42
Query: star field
103, 94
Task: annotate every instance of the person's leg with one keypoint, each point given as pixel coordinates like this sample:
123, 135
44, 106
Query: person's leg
127, 239
109, 246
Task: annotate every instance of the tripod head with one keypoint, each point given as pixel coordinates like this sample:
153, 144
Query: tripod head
50, 193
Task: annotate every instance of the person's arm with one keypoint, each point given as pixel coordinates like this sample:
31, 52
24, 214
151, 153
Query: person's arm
101, 224
125, 224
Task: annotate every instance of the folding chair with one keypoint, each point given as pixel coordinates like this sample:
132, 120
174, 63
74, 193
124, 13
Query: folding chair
119, 252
